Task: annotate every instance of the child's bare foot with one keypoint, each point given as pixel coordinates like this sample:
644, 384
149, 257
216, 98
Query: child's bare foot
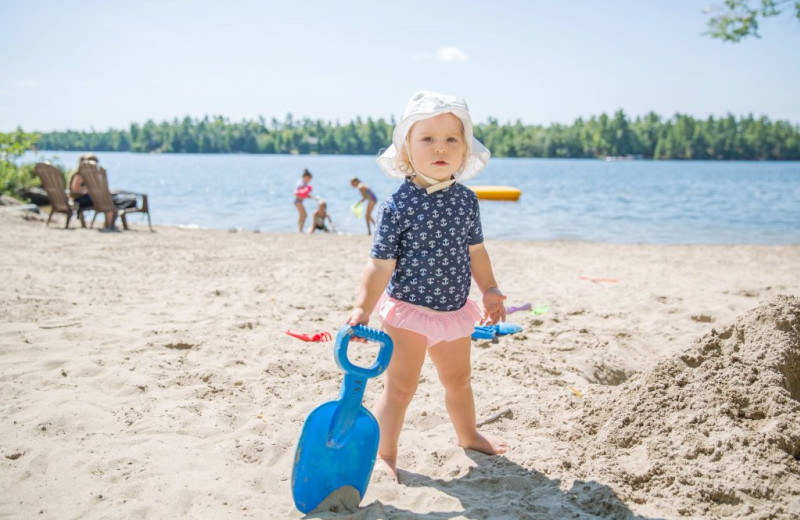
488, 444
386, 467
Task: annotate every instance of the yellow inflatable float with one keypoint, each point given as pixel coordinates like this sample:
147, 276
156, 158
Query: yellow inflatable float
496, 192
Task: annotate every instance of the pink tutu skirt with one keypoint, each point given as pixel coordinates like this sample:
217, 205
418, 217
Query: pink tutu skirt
436, 326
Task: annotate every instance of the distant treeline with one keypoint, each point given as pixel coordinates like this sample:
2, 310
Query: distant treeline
650, 136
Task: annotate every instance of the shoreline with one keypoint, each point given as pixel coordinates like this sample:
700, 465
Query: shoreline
42, 216
149, 375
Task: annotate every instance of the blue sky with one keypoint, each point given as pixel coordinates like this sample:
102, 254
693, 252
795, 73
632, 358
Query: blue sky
99, 64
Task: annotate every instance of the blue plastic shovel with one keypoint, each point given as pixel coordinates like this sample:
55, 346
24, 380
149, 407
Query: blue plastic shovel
339, 441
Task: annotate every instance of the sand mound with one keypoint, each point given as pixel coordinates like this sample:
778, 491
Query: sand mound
713, 431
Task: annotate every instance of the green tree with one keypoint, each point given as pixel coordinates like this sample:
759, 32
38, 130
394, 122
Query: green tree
739, 19
14, 177
681, 137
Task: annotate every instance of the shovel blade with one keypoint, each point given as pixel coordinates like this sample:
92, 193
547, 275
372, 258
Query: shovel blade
322, 466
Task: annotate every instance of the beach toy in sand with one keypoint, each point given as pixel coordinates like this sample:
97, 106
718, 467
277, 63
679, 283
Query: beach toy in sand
496, 192
523, 307
357, 209
339, 441
575, 391
490, 331
303, 192
541, 309
504, 328
483, 332
319, 336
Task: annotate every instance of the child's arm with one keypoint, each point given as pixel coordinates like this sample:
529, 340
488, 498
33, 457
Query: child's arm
374, 278
333, 228
494, 309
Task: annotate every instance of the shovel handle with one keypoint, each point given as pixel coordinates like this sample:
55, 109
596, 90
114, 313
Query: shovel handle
343, 340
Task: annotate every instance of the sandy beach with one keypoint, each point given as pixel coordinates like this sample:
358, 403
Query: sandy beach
148, 375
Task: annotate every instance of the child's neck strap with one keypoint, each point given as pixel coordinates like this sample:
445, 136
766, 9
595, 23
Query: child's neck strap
432, 185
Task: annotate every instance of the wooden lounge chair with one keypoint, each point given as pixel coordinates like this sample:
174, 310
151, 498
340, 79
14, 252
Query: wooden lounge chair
96, 182
53, 184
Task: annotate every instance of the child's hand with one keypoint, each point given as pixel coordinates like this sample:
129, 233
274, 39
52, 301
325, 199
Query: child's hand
494, 309
358, 317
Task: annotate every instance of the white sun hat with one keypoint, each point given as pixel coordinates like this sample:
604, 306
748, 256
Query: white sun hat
424, 105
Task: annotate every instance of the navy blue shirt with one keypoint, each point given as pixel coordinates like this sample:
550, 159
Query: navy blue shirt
429, 237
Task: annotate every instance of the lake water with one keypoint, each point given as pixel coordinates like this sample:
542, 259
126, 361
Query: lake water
665, 202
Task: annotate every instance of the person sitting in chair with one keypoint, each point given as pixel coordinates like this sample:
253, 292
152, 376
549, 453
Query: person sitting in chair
80, 193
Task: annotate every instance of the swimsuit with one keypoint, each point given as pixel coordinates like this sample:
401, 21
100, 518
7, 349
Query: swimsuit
435, 326
319, 223
301, 192
429, 236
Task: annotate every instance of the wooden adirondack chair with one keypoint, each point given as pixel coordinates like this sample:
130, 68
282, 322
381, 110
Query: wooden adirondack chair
53, 184
96, 182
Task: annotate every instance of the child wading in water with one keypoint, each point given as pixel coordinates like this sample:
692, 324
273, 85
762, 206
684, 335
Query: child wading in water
302, 192
428, 244
368, 196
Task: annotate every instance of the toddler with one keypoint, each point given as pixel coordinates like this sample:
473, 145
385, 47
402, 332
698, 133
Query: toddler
428, 245
320, 216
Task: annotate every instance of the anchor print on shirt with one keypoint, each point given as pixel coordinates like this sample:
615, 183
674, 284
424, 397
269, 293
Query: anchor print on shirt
429, 237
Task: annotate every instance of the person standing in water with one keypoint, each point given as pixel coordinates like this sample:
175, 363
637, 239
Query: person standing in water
368, 197
301, 192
